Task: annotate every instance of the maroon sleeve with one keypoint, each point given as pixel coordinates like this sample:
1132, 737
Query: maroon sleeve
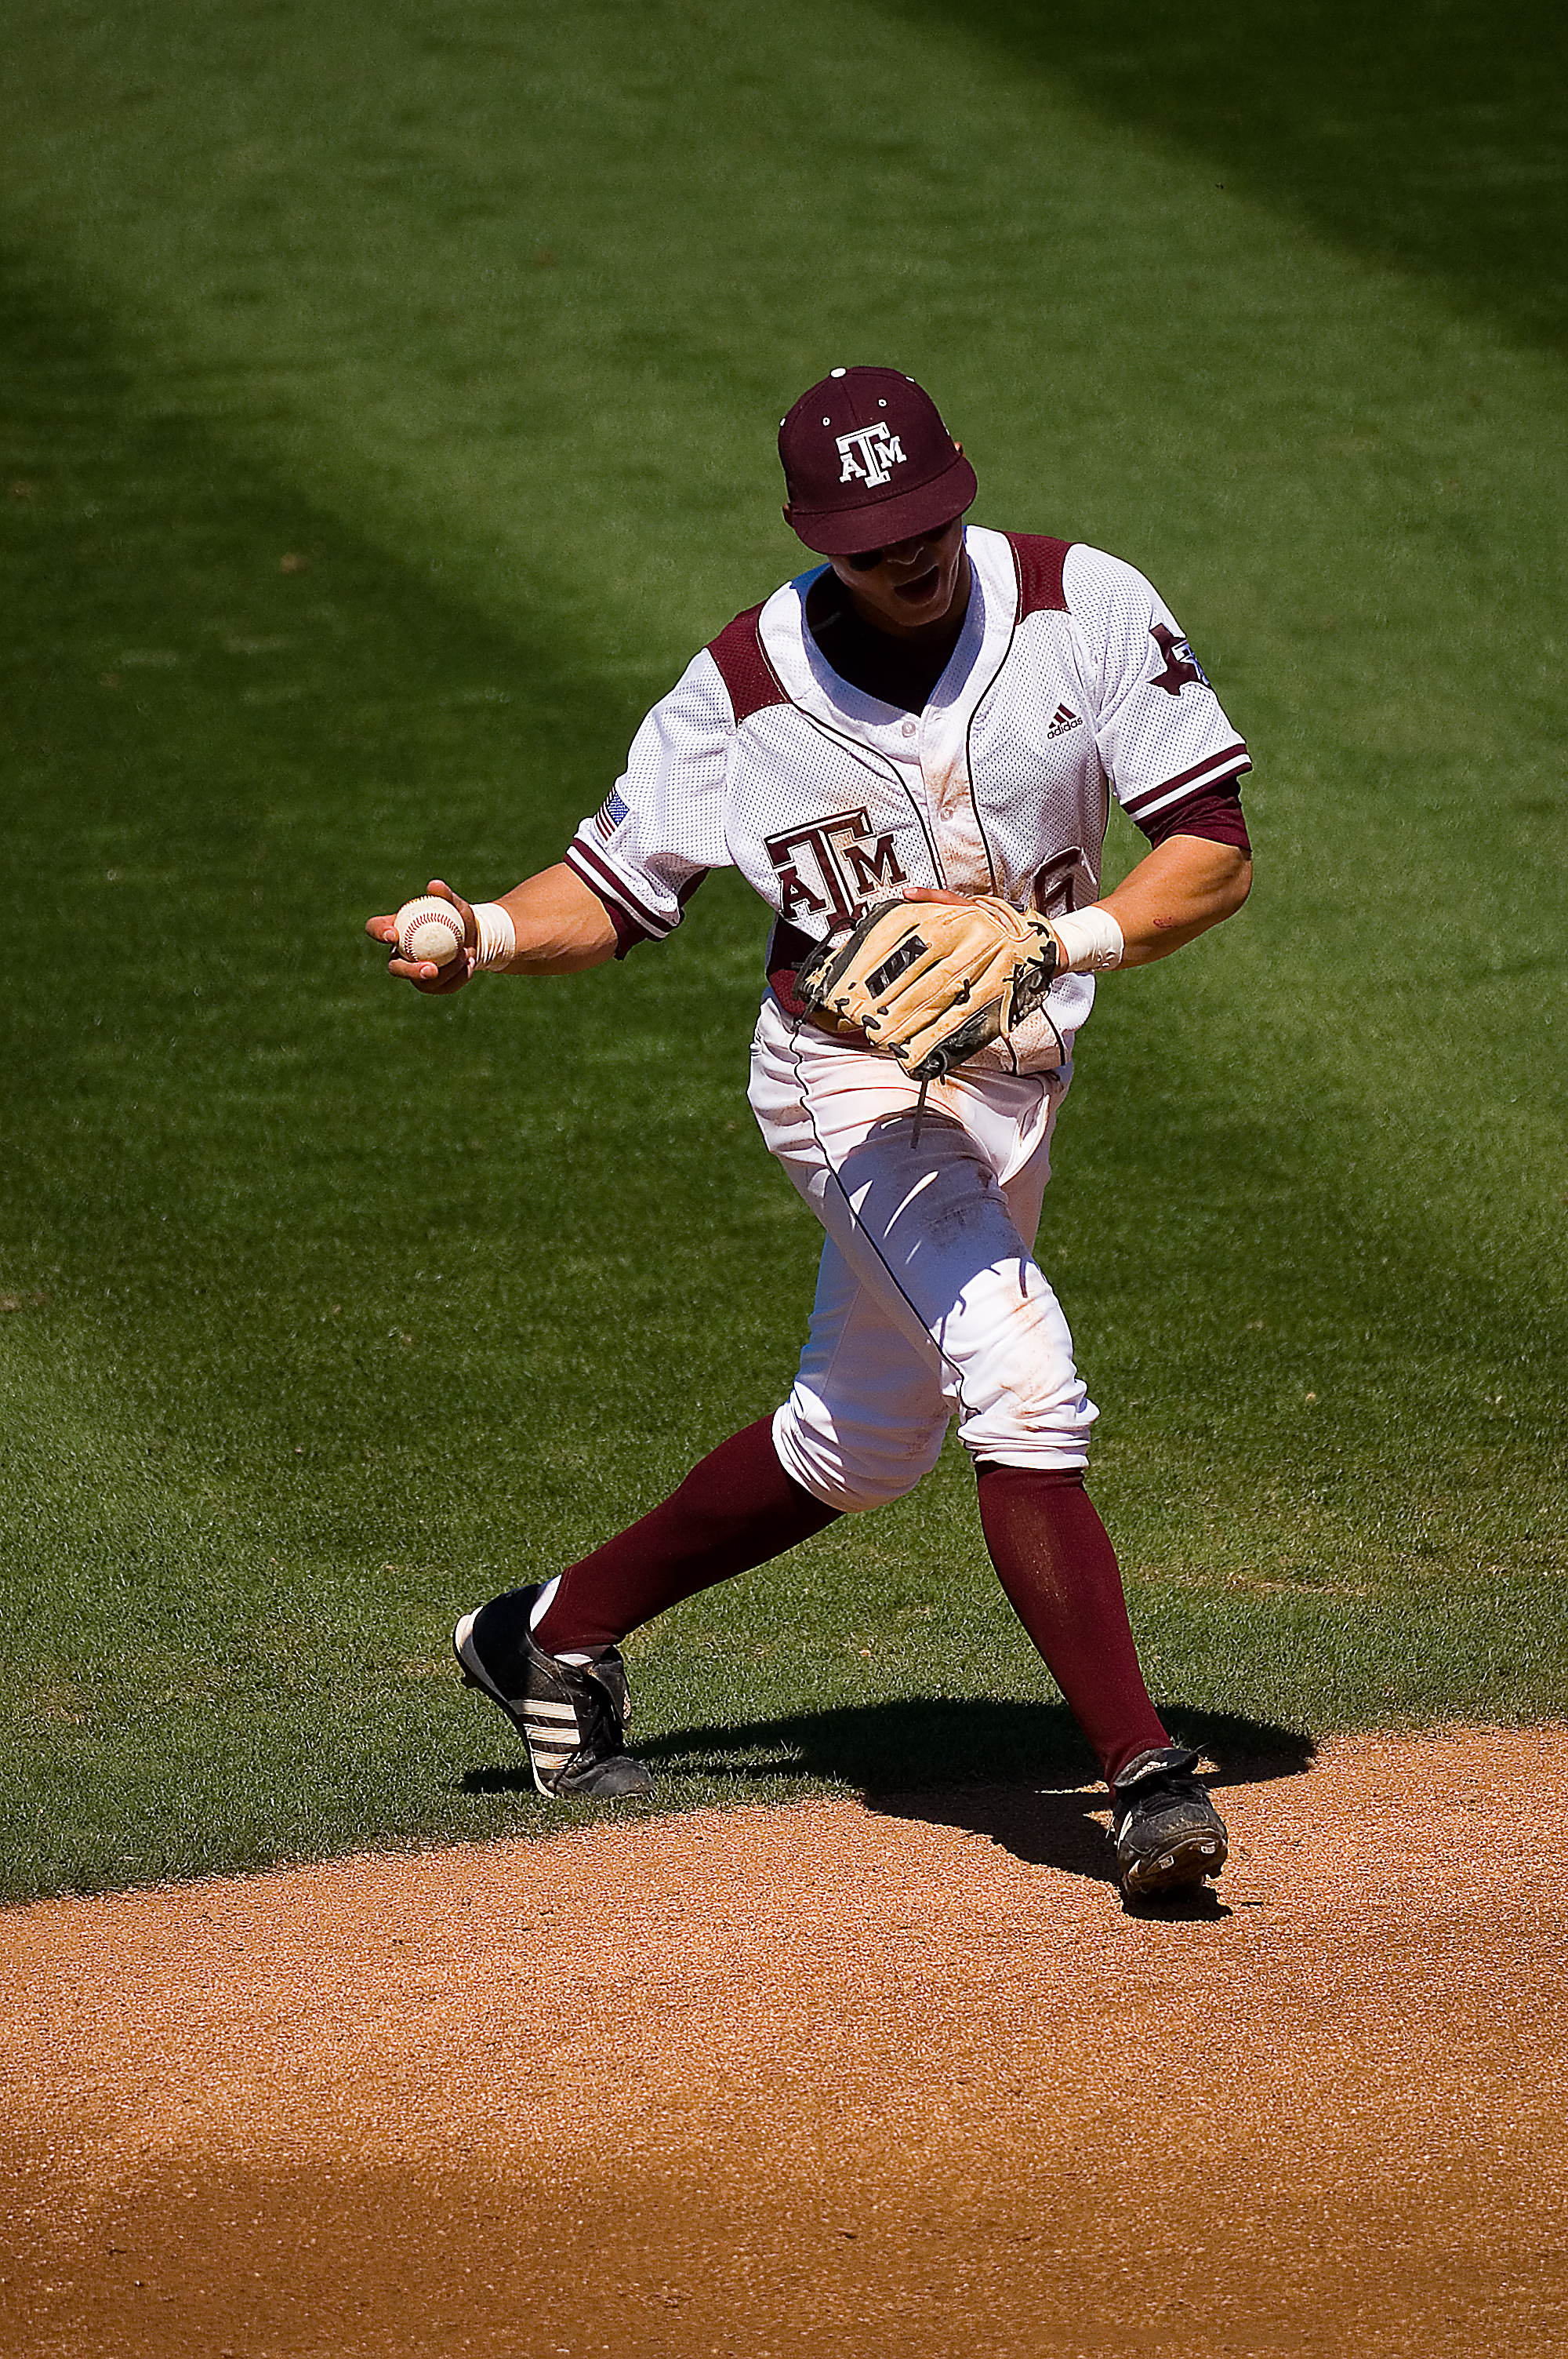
744, 666
1037, 561
1215, 814
628, 932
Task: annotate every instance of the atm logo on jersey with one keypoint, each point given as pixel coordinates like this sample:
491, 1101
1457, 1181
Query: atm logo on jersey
828, 869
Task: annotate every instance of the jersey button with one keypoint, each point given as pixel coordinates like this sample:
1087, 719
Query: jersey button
908, 728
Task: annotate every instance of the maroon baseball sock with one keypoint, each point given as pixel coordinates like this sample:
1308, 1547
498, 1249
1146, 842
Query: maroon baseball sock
1055, 1560
736, 1508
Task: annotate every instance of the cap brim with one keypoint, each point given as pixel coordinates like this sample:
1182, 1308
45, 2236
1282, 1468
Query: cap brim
844, 532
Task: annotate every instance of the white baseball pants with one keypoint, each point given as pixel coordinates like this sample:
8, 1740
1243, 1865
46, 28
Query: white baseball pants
929, 1303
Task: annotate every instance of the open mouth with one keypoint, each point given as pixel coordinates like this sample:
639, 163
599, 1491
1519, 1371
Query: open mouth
914, 592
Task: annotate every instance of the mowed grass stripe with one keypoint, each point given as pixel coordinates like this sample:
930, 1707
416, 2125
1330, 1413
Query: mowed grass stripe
324, 1311
1310, 1265
1430, 135
475, 272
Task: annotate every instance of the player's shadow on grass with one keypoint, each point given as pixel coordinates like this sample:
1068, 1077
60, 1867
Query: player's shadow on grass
1016, 1772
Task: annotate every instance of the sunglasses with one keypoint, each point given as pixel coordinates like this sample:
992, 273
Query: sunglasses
869, 558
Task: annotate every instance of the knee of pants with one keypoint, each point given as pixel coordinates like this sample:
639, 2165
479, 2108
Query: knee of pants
1047, 1429
848, 1463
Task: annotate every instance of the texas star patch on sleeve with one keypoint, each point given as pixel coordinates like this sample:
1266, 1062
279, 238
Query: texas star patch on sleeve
1181, 664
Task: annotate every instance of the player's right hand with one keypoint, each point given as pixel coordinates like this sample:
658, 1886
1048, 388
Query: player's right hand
424, 974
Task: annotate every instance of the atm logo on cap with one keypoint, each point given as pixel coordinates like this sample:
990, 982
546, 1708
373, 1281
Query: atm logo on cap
870, 455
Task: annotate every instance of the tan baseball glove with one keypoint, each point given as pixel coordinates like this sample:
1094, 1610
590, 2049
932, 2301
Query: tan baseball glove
933, 981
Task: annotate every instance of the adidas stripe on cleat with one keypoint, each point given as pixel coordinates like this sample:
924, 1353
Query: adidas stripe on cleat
569, 1715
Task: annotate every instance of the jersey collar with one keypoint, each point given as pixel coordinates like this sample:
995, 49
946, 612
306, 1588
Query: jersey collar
810, 681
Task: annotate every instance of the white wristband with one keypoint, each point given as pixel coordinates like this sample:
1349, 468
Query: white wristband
497, 934
1091, 938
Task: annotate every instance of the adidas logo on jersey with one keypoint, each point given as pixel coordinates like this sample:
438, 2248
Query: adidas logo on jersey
1063, 718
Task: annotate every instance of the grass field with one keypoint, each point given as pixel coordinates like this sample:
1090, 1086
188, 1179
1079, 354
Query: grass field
389, 404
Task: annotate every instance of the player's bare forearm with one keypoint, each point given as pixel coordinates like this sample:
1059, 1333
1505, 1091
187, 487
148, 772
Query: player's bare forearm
560, 927
1177, 892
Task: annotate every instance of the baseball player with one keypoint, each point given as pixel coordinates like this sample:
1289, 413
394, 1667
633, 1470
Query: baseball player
909, 751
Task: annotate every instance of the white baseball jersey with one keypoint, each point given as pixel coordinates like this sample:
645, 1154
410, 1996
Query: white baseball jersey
1071, 680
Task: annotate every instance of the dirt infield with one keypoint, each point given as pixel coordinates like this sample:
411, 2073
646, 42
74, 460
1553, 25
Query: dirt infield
832, 2079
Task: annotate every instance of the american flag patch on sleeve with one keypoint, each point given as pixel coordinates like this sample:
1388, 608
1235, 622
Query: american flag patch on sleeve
610, 814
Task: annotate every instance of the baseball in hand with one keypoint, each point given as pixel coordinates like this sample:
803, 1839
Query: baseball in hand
429, 928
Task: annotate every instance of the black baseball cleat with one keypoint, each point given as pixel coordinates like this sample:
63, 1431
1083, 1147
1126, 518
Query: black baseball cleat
1168, 1833
569, 1715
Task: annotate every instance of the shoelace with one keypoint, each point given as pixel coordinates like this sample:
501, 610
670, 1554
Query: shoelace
1171, 1787
599, 1722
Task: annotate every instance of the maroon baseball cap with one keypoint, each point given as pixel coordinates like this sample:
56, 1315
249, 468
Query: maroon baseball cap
868, 461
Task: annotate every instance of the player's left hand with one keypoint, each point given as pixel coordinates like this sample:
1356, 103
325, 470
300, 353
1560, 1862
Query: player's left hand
933, 976
424, 974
